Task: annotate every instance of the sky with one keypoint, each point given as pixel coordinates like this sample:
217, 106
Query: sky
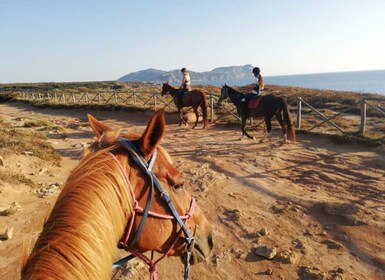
83, 40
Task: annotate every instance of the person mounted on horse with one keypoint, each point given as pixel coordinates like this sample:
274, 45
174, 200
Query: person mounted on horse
256, 92
185, 86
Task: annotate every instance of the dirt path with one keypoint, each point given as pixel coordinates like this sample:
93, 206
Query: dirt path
322, 204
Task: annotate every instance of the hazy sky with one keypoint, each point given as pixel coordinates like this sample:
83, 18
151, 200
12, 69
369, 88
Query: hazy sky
68, 40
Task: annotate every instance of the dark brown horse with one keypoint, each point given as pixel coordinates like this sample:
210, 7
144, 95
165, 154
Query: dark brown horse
193, 98
270, 105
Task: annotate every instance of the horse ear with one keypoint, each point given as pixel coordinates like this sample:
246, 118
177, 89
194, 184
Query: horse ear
153, 133
97, 126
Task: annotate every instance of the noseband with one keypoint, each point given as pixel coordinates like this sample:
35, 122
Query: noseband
127, 245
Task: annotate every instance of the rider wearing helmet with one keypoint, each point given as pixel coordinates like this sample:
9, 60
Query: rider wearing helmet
185, 85
259, 85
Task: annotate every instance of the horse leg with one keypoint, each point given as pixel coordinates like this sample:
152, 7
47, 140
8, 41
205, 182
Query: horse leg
243, 128
268, 128
196, 115
279, 118
182, 121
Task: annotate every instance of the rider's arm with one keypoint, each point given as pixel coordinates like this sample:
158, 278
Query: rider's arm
183, 81
261, 82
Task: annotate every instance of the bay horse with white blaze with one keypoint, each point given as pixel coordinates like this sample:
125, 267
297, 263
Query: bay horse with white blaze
193, 98
120, 181
269, 105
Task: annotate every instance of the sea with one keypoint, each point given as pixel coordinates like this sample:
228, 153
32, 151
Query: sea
358, 81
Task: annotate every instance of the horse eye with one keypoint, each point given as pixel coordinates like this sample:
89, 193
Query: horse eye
178, 187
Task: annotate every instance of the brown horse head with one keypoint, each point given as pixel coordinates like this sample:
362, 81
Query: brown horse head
80, 237
166, 88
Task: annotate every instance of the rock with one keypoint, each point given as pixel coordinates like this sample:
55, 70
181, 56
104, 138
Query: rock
190, 117
1, 161
287, 256
8, 234
298, 244
307, 273
263, 232
223, 258
265, 251
349, 211
269, 271
332, 244
27, 153
42, 171
12, 209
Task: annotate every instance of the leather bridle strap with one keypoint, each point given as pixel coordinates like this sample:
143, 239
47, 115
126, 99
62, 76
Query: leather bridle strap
147, 168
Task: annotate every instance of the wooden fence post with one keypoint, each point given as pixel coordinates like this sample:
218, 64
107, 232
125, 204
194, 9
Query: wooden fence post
211, 108
154, 98
363, 116
299, 113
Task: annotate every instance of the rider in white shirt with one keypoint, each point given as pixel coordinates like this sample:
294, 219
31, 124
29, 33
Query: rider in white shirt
185, 85
259, 85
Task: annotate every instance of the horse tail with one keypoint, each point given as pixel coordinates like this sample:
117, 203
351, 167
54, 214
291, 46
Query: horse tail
287, 120
204, 108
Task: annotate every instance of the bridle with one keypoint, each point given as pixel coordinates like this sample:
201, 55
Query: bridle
127, 244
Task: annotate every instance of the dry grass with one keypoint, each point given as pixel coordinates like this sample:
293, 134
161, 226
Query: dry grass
15, 178
21, 139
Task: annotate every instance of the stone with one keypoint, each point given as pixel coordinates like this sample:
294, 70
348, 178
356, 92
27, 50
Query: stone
269, 271
314, 273
332, 244
263, 232
298, 244
287, 256
8, 234
265, 251
12, 209
42, 171
1, 161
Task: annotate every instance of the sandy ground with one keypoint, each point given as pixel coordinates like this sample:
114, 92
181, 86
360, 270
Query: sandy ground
322, 204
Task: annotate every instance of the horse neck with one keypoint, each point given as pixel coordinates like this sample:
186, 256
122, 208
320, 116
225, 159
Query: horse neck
234, 95
80, 237
172, 90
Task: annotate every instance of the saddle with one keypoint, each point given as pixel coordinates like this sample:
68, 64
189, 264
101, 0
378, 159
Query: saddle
253, 103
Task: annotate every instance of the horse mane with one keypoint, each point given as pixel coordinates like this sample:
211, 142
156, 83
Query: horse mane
81, 235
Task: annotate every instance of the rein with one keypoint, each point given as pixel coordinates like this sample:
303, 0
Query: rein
146, 167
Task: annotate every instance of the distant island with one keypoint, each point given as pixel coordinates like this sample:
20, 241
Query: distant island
232, 75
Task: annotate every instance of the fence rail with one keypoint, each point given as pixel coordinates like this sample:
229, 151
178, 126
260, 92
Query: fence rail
155, 100
362, 105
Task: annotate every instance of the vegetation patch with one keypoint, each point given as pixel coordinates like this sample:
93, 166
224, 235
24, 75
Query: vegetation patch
26, 140
15, 178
